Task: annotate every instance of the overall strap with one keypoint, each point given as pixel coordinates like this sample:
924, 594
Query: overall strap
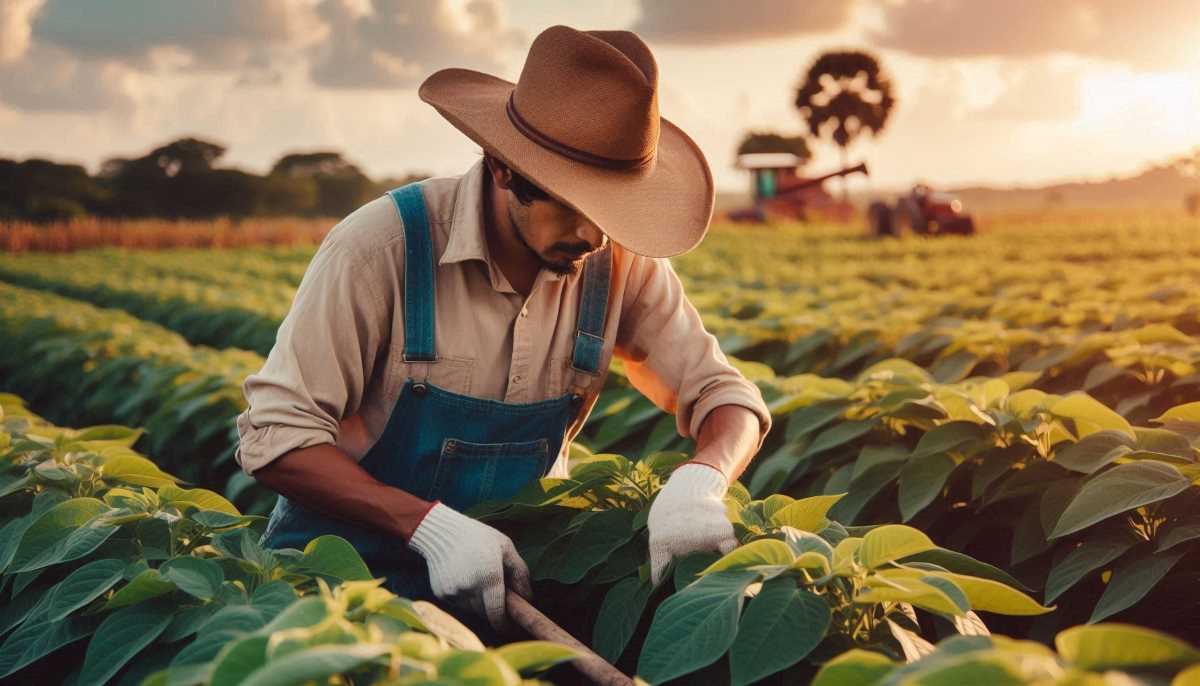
419, 298
593, 311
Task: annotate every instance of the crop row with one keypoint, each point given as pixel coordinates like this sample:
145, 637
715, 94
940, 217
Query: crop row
1036, 471
170, 586
244, 311
74, 360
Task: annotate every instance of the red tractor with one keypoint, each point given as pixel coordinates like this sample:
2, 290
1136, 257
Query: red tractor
921, 211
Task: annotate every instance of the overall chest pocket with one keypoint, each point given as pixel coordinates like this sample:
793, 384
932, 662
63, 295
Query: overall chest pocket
468, 473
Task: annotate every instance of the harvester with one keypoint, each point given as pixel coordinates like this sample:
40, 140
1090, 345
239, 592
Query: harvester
778, 192
921, 211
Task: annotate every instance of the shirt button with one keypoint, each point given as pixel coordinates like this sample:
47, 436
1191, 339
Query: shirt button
516, 379
524, 312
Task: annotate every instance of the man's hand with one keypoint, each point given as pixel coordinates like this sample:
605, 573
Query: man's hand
468, 561
688, 515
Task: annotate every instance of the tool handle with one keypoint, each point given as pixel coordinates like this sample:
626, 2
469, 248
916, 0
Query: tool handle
542, 627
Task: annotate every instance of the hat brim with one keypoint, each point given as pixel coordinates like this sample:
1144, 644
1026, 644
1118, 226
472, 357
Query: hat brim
660, 210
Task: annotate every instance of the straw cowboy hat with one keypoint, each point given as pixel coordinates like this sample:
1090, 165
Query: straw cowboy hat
582, 123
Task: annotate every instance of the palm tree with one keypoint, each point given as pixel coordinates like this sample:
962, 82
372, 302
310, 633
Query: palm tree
844, 94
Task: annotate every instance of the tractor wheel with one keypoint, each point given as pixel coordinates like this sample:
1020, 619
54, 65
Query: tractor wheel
909, 214
963, 226
879, 217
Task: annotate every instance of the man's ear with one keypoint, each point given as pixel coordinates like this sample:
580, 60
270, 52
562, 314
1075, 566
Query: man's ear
501, 174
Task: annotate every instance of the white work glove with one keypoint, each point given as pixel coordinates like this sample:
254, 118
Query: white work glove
688, 515
467, 563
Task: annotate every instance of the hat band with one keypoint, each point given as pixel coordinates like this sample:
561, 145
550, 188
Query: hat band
565, 150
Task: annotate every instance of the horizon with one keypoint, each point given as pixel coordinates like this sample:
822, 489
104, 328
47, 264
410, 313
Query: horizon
985, 96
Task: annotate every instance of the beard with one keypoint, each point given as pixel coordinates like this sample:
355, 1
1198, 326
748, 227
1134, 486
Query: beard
563, 267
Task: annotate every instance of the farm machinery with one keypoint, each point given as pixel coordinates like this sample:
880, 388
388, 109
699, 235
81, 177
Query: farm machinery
921, 211
779, 193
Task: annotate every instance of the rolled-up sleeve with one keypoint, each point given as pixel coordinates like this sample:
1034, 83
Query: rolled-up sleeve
324, 353
671, 358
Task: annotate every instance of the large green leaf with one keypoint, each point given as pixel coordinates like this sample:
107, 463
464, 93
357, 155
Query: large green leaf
593, 543
35, 640
948, 437
314, 664
1094, 451
1131, 581
197, 576
619, 615
1094, 553
840, 434
694, 628
146, 585
47, 538
239, 659
334, 556
1122, 646
120, 637
82, 586
959, 563
921, 480
10, 538
781, 626
806, 420
1118, 490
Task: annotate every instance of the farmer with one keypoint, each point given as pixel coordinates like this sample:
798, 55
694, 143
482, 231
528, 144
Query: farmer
449, 338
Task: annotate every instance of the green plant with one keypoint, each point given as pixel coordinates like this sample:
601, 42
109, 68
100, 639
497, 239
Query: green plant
98, 543
1099, 654
820, 583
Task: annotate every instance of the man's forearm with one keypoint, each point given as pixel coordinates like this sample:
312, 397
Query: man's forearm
325, 479
728, 439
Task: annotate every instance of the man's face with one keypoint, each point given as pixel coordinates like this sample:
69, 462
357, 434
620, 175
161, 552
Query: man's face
558, 236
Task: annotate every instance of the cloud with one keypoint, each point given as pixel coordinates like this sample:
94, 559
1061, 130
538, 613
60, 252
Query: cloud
711, 22
15, 16
46, 78
214, 34
396, 43
1036, 92
1145, 35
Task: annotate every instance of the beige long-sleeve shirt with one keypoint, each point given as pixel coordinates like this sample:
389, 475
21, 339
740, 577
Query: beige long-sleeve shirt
336, 369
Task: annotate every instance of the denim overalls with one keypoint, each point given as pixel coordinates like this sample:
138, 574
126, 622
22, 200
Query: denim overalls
440, 445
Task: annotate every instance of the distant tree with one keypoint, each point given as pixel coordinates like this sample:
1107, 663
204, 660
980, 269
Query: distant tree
41, 190
186, 156
766, 141
341, 186
314, 163
843, 94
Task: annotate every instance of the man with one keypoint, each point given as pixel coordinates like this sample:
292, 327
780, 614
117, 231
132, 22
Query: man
449, 339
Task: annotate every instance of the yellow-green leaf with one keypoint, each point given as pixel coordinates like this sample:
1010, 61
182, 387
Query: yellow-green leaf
132, 469
855, 667
765, 551
892, 542
807, 514
1090, 415
198, 498
1122, 646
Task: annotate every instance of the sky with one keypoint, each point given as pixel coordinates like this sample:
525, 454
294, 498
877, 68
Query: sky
988, 92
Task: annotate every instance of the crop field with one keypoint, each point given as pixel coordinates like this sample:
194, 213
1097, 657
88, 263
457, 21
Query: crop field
983, 469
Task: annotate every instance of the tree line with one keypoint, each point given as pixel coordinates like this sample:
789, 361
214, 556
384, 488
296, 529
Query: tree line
180, 180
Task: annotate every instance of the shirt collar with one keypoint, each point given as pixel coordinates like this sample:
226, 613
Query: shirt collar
467, 240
